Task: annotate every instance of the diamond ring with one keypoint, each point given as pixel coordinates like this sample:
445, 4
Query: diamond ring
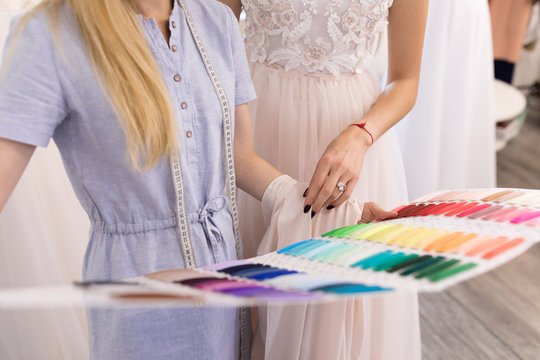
341, 186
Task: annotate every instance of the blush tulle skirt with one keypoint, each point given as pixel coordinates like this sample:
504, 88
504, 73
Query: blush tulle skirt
294, 118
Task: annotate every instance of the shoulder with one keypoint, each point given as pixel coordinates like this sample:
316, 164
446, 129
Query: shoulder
212, 12
39, 27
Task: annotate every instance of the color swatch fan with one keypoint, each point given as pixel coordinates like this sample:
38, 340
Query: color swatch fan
435, 242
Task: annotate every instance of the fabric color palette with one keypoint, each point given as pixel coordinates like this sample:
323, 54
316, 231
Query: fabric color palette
433, 243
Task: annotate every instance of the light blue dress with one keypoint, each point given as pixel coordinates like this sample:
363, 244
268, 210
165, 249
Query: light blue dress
48, 93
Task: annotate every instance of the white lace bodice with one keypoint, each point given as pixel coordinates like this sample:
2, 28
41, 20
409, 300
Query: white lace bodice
315, 36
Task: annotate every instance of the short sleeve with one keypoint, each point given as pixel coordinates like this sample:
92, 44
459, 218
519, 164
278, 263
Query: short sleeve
244, 89
31, 100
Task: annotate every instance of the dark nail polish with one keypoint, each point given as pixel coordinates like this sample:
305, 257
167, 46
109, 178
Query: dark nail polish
307, 208
330, 207
312, 213
305, 193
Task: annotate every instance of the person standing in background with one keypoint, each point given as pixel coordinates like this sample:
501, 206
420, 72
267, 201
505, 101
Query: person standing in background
509, 20
448, 139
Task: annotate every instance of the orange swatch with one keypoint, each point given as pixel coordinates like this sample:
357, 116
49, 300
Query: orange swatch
503, 248
456, 242
442, 241
488, 245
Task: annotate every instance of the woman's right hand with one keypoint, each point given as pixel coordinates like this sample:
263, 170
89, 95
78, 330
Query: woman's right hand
372, 212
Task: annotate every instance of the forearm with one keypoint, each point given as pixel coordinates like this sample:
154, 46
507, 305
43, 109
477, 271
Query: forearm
14, 157
253, 174
406, 28
391, 106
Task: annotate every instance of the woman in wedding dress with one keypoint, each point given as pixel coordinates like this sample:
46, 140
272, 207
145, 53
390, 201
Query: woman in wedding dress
43, 232
310, 67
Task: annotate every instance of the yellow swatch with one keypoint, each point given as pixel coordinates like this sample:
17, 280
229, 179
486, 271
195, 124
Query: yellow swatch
411, 241
388, 230
405, 235
392, 235
428, 240
370, 231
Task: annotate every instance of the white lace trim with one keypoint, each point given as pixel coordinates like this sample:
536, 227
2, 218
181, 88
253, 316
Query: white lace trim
315, 36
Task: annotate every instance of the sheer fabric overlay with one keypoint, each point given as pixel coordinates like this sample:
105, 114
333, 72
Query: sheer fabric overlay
294, 119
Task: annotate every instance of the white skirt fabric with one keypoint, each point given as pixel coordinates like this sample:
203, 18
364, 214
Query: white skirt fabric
448, 139
294, 118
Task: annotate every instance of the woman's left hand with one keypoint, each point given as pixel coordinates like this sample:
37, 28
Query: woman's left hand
340, 163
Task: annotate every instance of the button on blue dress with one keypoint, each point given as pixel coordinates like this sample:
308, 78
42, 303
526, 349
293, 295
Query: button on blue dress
46, 92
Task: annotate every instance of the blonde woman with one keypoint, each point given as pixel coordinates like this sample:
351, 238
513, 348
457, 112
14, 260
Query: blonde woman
109, 80
142, 98
322, 117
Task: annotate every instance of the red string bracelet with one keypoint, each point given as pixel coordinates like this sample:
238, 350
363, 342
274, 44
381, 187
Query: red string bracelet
362, 126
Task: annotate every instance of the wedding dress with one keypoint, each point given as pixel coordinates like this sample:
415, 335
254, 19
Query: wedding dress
310, 64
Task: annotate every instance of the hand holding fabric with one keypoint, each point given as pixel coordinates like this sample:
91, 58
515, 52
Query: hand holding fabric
340, 163
372, 212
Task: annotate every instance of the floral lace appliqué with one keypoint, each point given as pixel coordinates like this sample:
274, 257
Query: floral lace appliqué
333, 36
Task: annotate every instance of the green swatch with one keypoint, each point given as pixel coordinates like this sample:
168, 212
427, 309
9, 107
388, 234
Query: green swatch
453, 271
432, 271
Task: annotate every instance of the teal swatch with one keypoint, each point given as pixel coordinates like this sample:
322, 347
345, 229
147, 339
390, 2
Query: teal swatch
367, 262
316, 250
395, 260
331, 253
350, 288
292, 246
298, 251
346, 249
327, 250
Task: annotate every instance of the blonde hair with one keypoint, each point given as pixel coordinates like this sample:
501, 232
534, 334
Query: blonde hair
128, 72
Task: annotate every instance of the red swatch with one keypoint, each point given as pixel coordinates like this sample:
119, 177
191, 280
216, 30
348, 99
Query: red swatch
429, 209
447, 207
473, 210
461, 208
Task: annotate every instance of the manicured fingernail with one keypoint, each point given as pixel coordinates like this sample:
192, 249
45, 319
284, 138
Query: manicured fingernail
305, 193
312, 213
307, 208
330, 207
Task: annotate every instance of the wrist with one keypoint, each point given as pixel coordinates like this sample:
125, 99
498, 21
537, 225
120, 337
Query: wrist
363, 133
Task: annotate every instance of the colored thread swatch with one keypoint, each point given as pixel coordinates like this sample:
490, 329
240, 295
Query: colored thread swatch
433, 243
